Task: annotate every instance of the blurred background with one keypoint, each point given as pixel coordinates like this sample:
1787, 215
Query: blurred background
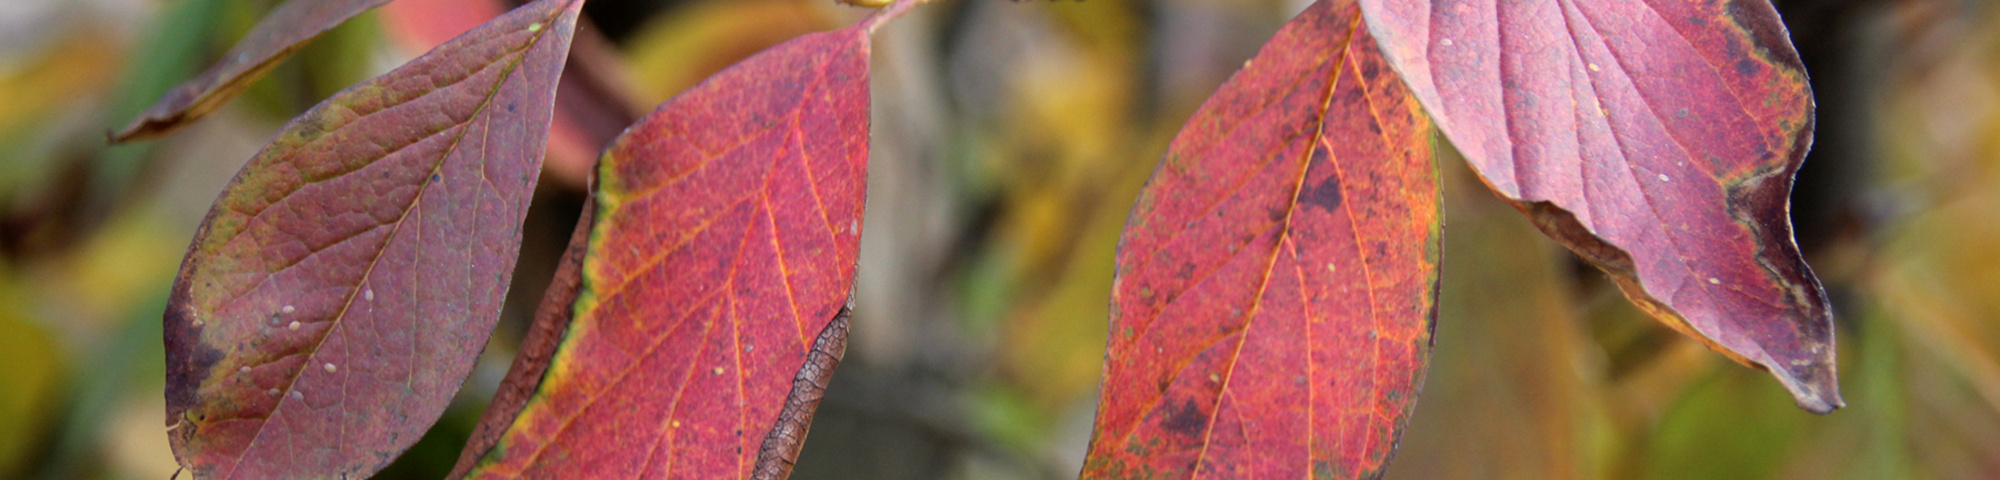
1010, 139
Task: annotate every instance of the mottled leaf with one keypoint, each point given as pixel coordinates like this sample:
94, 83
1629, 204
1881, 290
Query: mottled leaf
1276, 285
709, 312
280, 34
342, 286
1656, 138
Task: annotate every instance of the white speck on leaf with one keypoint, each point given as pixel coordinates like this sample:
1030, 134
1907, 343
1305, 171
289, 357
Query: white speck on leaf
287, 309
1445, 42
1663, 178
1714, 281
330, 368
293, 326
368, 294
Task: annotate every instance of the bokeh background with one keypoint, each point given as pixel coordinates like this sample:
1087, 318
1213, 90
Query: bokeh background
1010, 139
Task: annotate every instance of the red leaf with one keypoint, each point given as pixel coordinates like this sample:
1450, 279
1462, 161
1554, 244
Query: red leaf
708, 313
1276, 286
341, 288
1656, 138
276, 37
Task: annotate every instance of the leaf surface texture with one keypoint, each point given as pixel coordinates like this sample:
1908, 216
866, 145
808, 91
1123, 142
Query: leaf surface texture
1656, 138
1277, 281
342, 286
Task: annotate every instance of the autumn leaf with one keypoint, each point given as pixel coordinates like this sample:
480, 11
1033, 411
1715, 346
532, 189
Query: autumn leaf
280, 34
1656, 138
710, 309
343, 284
1276, 286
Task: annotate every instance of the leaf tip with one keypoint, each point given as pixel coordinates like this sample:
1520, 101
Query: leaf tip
174, 110
142, 128
1813, 385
